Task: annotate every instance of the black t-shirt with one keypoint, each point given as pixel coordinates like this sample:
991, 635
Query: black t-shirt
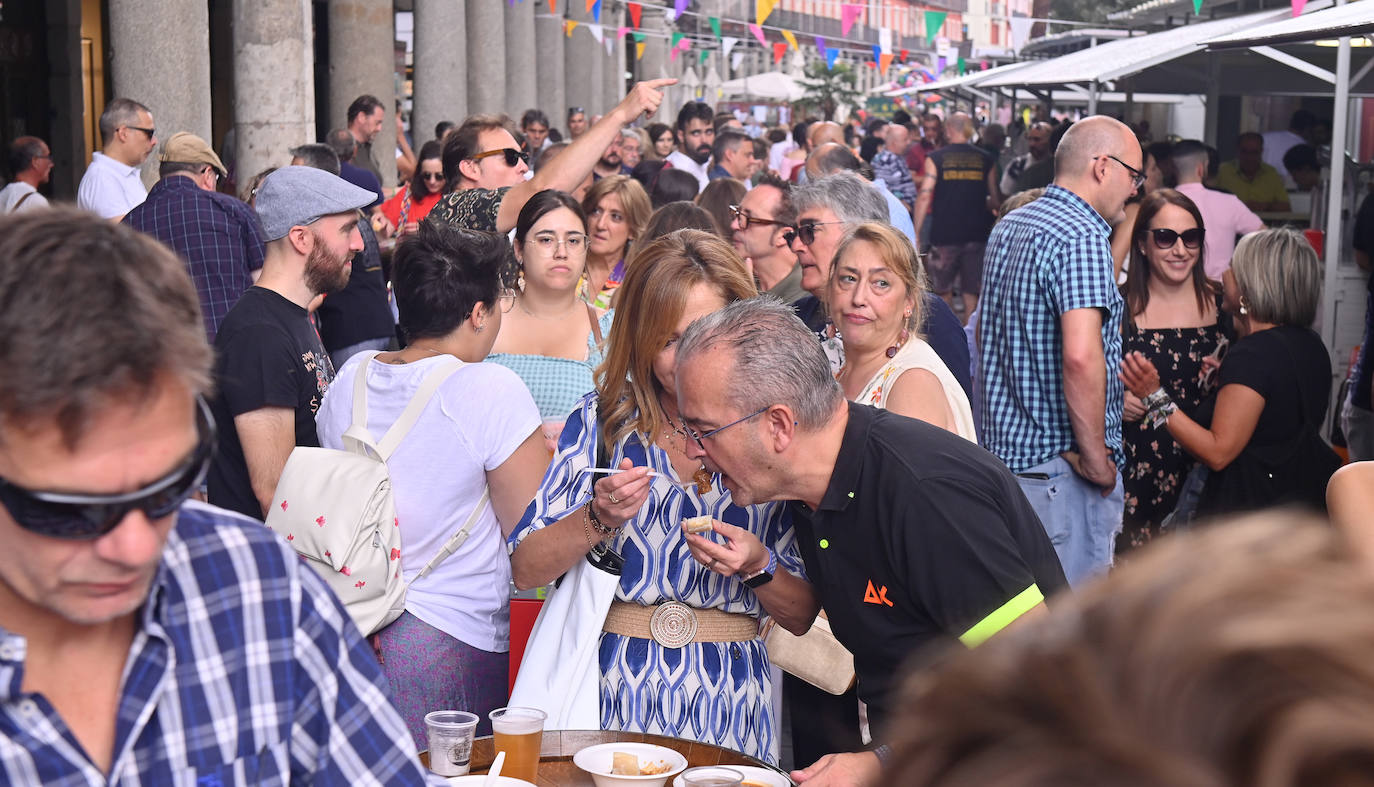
1290, 368
267, 355
360, 310
921, 537
961, 195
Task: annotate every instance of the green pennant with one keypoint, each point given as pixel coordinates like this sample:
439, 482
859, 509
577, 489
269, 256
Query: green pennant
715, 22
960, 65
676, 38
639, 37
705, 53
934, 21
1197, 7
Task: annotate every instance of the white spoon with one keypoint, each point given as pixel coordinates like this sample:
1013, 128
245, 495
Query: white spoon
495, 770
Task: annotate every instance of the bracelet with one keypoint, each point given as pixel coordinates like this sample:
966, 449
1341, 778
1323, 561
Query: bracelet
1160, 408
595, 520
1159, 397
597, 547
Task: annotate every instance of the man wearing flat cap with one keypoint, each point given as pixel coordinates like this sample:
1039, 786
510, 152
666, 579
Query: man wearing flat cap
271, 370
217, 236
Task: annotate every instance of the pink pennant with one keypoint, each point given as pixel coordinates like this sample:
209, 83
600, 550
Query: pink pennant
620, 33
1298, 5
849, 14
758, 33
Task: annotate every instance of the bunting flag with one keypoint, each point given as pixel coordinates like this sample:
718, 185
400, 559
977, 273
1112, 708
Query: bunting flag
726, 44
715, 25
758, 33
679, 6
982, 65
830, 56
668, 15
636, 10
877, 52
569, 25
1197, 7
639, 37
884, 60
960, 66
905, 53
885, 39
610, 47
1298, 5
677, 39
849, 14
639, 50
779, 49
940, 66
672, 53
737, 60
820, 45
596, 10
762, 8
591, 3
553, 6
934, 21
596, 32
791, 39
621, 32
705, 53
1020, 31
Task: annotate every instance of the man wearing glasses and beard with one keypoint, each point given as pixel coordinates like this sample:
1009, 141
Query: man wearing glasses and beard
145, 638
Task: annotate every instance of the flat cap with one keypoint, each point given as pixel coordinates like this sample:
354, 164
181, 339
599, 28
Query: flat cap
297, 196
184, 147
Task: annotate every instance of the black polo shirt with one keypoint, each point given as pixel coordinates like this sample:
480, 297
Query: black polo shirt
922, 537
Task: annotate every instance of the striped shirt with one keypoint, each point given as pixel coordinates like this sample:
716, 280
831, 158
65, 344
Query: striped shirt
1047, 258
244, 670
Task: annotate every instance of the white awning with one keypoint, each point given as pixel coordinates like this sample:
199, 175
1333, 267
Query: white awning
772, 85
969, 79
1347, 20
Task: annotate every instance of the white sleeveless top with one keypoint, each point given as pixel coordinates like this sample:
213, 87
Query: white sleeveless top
917, 354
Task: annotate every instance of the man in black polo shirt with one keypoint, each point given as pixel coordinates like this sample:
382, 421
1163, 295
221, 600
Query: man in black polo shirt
911, 535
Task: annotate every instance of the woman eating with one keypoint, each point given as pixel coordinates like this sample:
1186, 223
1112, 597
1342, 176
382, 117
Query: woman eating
617, 209
409, 206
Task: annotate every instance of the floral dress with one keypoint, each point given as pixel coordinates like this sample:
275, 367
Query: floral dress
1156, 466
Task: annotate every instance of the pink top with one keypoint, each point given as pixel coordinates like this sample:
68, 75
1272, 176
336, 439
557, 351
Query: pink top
1224, 217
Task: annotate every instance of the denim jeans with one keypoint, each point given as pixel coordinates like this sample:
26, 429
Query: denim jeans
1081, 523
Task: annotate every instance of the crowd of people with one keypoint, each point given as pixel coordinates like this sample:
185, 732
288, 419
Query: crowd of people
922, 377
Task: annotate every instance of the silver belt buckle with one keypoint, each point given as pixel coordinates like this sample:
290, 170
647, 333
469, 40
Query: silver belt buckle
673, 624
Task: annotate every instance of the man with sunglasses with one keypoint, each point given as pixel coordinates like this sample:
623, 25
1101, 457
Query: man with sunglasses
146, 638
1050, 328
763, 224
113, 185
1224, 215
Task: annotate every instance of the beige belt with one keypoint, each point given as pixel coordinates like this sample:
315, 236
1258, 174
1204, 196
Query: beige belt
673, 624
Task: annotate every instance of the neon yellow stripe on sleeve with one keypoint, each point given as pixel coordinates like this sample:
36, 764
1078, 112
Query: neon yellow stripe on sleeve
1002, 617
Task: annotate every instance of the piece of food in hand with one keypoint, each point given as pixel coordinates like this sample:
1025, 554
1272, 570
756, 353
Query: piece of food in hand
623, 764
700, 525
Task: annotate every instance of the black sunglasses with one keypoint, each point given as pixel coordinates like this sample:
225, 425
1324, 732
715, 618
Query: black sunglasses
80, 517
807, 231
151, 132
512, 156
435, 175
1166, 238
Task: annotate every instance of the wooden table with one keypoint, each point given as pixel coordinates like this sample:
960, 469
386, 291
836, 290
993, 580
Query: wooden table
556, 768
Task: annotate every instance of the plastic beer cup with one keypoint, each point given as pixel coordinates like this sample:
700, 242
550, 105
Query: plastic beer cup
518, 732
450, 741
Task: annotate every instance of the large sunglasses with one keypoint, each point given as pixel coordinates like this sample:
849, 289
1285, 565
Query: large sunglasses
807, 231
745, 219
81, 517
512, 156
1166, 238
435, 176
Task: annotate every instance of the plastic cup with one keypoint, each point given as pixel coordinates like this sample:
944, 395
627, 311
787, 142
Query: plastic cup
450, 741
712, 776
519, 732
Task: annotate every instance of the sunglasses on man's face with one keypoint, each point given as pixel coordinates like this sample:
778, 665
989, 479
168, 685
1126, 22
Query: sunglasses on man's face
1166, 238
83, 517
512, 156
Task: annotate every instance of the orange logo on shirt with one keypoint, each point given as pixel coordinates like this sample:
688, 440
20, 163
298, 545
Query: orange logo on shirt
878, 596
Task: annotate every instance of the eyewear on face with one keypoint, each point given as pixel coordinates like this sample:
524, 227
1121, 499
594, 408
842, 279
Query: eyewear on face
807, 230
84, 517
745, 219
700, 437
548, 243
512, 156
151, 132
435, 176
1137, 177
506, 299
1166, 238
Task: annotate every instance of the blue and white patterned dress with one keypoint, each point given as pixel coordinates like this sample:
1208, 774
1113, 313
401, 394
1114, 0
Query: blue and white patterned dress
716, 692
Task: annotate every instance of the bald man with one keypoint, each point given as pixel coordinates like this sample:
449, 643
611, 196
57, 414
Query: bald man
1051, 344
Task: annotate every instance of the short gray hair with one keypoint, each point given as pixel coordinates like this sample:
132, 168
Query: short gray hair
777, 359
317, 155
852, 199
119, 112
1279, 277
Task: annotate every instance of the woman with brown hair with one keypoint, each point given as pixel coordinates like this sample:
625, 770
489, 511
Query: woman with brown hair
617, 209
1173, 319
717, 686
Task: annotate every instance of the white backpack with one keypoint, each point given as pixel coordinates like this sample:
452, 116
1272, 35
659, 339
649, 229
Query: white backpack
336, 509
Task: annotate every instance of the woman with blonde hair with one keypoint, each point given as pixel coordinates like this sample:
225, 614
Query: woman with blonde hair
875, 297
617, 209
715, 687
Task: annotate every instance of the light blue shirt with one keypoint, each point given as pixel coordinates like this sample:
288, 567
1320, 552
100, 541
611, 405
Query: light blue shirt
897, 212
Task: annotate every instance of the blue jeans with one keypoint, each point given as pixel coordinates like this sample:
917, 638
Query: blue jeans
1081, 523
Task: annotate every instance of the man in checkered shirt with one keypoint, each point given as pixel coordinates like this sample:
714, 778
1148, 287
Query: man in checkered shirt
146, 639
1051, 344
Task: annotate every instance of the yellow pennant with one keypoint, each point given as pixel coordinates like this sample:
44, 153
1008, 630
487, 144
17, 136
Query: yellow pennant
569, 25
762, 8
791, 39
639, 50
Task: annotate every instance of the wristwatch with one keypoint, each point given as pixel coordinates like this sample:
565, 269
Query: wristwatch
760, 578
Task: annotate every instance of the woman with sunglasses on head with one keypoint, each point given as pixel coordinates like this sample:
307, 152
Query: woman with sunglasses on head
409, 206
1174, 319
552, 339
715, 687
1258, 433
617, 209
477, 438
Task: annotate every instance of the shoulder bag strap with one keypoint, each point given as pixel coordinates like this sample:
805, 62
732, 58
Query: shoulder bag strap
596, 323
457, 539
22, 200
435, 378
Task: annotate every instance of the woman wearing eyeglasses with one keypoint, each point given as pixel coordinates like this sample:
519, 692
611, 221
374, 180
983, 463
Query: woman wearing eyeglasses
714, 686
1175, 321
617, 209
552, 339
411, 204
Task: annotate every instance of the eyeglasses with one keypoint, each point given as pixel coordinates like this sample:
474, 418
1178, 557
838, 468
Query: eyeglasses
745, 219
151, 132
512, 156
700, 437
1166, 238
506, 298
548, 243
1137, 177
82, 517
436, 176
807, 230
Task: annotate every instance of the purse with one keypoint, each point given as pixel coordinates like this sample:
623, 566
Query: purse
816, 656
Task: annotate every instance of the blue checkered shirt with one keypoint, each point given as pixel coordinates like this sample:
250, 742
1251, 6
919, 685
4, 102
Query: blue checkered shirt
1042, 260
218, 237
244, 670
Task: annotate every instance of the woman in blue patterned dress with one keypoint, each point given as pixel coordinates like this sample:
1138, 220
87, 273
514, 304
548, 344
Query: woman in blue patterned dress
717, 691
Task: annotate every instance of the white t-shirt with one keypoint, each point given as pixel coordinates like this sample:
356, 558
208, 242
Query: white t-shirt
476, 420
14, 194
110, 188
682, 161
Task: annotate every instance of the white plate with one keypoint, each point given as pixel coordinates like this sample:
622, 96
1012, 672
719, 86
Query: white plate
476, 779
754, 774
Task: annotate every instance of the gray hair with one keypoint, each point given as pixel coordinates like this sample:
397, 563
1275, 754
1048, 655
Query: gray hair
317, 155
119, 112
852, 199
776, 359
1279, 276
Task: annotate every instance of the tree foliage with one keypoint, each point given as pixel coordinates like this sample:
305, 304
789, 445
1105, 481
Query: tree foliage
827, 88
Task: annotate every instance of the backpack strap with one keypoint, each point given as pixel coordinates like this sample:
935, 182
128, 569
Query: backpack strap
356, 439
458, 538
435, 378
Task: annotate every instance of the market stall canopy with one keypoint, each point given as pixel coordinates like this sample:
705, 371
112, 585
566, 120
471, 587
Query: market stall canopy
969, 80
1346, 20
773, 85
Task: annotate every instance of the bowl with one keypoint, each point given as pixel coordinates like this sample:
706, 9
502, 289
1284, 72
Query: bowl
764, 777
473, 780
596, 760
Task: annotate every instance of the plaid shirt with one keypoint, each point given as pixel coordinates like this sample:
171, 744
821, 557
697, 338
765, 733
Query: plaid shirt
892, 169
244, 670
1042, 260
218, 237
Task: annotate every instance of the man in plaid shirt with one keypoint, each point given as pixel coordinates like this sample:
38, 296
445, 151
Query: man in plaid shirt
1051, 344
146, 639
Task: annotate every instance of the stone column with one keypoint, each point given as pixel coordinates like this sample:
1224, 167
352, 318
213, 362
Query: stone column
440, 59
274, 82
362, 39
654, 63
551, 93
583, 68
486, 66
164, 66
522, 57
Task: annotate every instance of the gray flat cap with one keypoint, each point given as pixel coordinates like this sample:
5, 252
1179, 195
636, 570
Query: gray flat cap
294, 196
